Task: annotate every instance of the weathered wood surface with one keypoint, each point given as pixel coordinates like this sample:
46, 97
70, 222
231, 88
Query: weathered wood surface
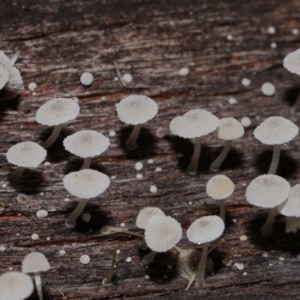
151, 40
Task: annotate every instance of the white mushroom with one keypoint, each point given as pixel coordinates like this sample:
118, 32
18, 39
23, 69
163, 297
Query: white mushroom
56, 112
136, 110
84, 184
25, 155
275, 131
229, 129
192, 125
15, 286
3, 77
268, 191
218, 188
161, 234
36, 263
203, 231
86, 144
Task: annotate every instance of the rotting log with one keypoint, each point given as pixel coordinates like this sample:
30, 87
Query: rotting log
151, 40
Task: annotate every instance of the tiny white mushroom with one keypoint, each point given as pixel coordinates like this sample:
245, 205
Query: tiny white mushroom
84, 184
268, 191
292, 62
220, 187
86, 144
193, 125
86, 78
275, 131
203, 231
136, 110
56, 112
36, 263
15, 286
229, 129
25, 155
161, 234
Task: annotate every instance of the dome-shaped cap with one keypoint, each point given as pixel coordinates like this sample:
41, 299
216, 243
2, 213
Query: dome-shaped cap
229, 129
15, 81
3, 77
136, 109
86, 183
4, 60
219, 187
35, 262
146, 214
205, 229
267, 191
162, 233
291, 206
57, 111
276, 131
15, 286
26, 154
194, 123
292, 62
86, 143
173, 124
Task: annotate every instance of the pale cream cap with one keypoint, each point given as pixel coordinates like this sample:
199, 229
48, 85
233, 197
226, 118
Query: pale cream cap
35, 262
292, 62
15, 81
3, 77
146, 214
291, 206
219, 187
229, 129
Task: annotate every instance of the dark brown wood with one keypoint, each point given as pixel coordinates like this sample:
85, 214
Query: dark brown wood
152, 40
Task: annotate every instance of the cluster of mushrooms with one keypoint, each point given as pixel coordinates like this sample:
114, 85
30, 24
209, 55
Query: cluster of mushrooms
161, 232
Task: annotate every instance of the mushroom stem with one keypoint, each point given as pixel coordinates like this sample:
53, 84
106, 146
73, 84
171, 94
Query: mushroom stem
14, 57
216, 164
222, 209
86, 163
201, 267
108, 229
38, 284
266, 229
193, 166
70, 222
148, 259
53, 137
161, 132
275, 160
143, 245
295, 109
108, 280
16, 175
131, 141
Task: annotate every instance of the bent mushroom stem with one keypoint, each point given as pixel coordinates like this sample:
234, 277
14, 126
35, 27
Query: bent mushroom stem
201, 267
161, 132
266, 229
38, 284
16, 175
70, 222
193, 166
108, 280
107, 229
148, 259
216, 164
53, 137
86, 163
222, 209
275, 160
131, 141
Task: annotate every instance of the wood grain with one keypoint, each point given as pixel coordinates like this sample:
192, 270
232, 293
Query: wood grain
151, 40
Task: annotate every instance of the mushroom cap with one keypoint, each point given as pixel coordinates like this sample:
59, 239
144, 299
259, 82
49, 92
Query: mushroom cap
3, 77
86, 183
15, 81
219, 187
162, 233
4, 60
35, 262
229, 129
205, 229
26, 154
267, 191
292, 62
146, 214
291, 206
195, 123
86, 143
136, 109
276, 131
15, 286
57, 111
